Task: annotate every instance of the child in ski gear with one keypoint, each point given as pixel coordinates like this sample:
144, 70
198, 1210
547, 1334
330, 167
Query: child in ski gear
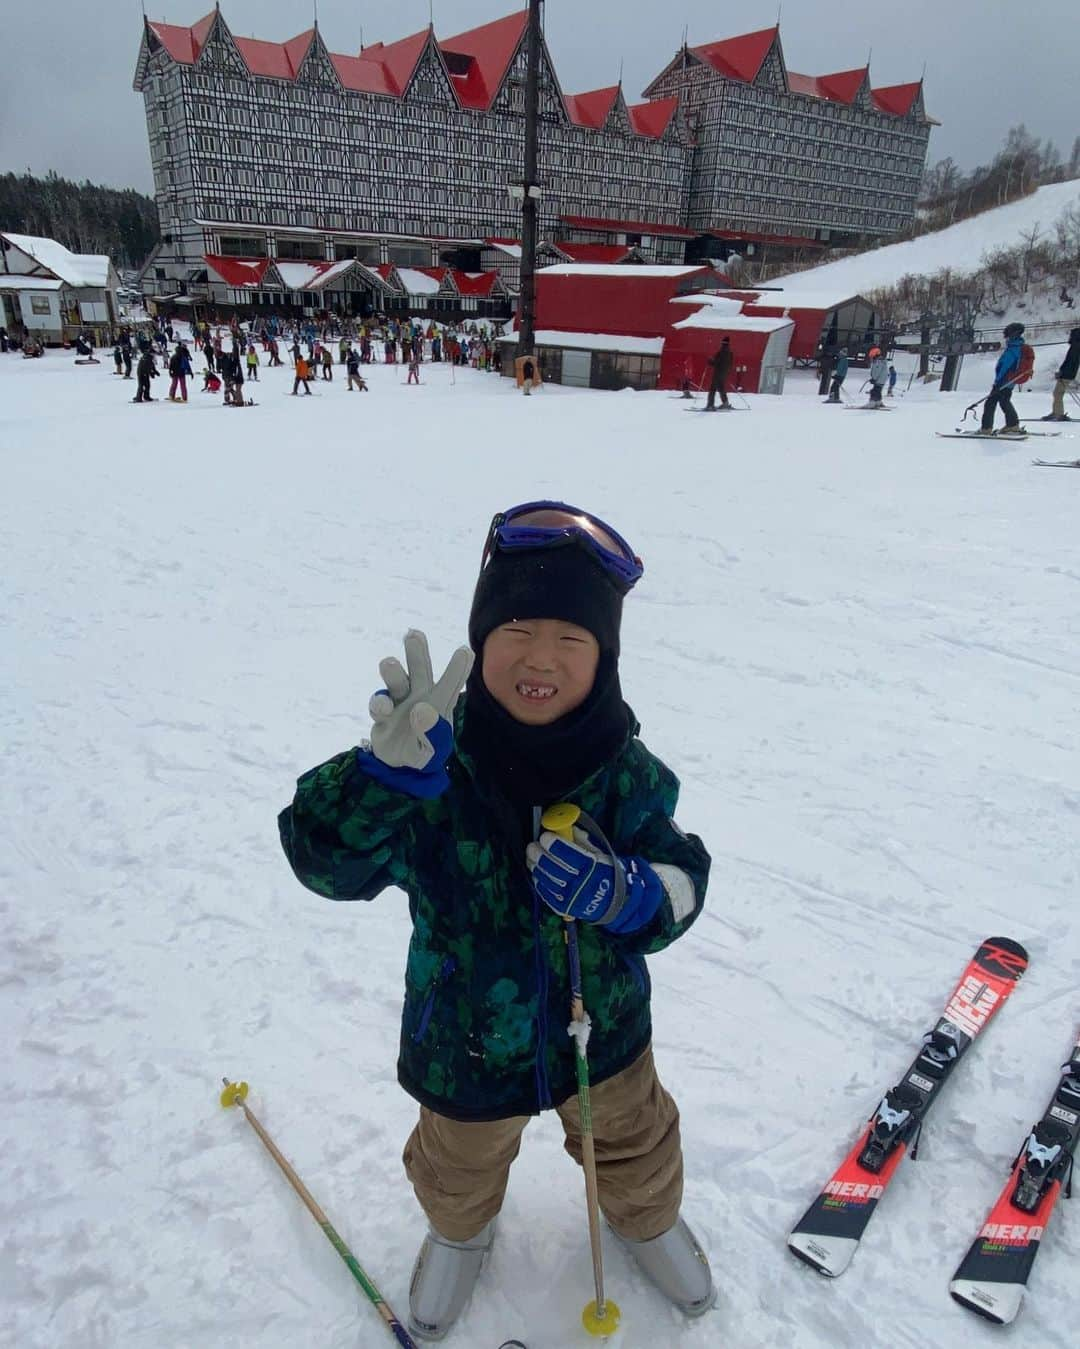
445, 802
303, 374
721, 368
1065, 379
879, 373
892, 380
146, 370
179, 369
252, 363
352, 365
1005, 372
414, 366
839, 375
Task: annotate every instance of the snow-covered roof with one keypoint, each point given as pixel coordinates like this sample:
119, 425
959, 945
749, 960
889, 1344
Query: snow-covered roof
77, 269
511, 250
553, 337
311, 275
723, 304
790, 298
732, 323
616, 269
417, 282
17, 281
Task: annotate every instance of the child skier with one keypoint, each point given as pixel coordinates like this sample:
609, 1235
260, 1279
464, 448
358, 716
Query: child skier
879, 373
451, 813
252, 359
1005, 379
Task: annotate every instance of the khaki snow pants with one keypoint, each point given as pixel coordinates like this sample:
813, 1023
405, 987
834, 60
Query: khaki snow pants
1061, 387
459, 1170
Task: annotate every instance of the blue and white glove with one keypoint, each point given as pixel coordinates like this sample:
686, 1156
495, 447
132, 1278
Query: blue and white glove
579, 880
411, 735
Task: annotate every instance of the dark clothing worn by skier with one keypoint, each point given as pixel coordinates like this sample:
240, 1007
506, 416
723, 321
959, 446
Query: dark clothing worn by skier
446, 804
839, 375
721, 362
1000, 396
1065, 379
146, 370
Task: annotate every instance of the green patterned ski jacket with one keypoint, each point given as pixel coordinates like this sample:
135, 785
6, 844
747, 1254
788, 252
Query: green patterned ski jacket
487, 993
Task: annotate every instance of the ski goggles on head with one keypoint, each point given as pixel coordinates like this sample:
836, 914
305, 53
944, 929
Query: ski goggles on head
553, 524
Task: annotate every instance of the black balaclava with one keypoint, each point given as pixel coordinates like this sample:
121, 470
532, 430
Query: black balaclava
538, 765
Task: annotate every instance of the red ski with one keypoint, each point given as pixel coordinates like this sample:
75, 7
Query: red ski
828, 1233
993, 1275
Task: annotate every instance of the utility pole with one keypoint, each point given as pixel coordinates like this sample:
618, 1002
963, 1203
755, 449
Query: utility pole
530, 191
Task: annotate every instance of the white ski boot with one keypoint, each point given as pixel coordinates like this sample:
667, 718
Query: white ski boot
675, 1263
443, 1279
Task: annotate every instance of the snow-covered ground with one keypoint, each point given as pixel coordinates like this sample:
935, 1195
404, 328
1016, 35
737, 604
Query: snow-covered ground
859, 647
961, 246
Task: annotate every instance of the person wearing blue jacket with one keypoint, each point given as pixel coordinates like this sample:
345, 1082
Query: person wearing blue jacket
1000, 396
840, 370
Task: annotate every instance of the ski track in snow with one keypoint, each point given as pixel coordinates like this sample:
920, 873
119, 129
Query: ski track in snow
857, 645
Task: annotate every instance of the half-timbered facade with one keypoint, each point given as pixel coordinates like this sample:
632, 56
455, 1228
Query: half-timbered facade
402, 154
820, 157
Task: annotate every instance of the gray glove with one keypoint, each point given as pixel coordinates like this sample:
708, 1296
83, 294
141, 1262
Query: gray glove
413, 703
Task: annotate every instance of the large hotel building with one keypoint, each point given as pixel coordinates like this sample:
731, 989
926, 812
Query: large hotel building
287, 174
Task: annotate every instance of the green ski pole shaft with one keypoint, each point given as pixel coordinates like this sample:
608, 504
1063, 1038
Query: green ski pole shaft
234, 1094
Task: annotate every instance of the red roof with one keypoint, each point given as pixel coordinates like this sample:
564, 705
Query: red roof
739, 58
238, 271
593, 252
897, 99
604, 226
479, 58
653, 119
841, 87
475, 283
591, 109
177, 41
265, 58
363, 74
399, 59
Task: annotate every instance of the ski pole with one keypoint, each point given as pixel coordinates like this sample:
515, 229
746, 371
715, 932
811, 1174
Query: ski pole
600, 1317
235, 1093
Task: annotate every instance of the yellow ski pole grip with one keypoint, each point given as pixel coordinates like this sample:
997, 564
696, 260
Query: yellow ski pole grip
561, 819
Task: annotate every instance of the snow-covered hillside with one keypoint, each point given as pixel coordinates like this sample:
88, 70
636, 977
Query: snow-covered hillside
856, 644
961, 246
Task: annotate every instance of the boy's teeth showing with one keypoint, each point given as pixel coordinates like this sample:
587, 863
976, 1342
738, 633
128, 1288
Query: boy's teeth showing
537, 693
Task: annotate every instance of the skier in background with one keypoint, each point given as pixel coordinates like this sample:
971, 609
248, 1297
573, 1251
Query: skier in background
445, 803
892, 380
839, 374
879, 373
252, 359
146, 370
303, 374
1065, 379
721, 362
1005, 372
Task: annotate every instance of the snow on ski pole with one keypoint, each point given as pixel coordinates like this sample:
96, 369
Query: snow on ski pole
235, 1093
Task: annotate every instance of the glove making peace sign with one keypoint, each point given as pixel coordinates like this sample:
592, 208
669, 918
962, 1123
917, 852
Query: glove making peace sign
411, 735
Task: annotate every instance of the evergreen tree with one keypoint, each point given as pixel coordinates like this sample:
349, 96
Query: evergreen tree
84, 217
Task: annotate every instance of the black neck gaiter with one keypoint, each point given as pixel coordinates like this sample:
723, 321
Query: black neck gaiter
540, 765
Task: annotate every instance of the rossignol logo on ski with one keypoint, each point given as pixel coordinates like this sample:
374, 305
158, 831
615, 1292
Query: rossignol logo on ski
1011, 1234
971, 1006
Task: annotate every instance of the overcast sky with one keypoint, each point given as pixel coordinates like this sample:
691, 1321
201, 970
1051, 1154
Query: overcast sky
66, 101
